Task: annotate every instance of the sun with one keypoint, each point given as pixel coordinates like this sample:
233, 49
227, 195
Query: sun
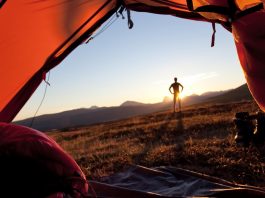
182, 95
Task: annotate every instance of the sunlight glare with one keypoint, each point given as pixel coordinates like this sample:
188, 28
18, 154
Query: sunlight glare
182, 95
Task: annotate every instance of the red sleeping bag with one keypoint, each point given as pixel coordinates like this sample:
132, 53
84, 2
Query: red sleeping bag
33, 165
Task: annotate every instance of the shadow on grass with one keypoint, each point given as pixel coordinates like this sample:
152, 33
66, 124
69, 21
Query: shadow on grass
180, 125
174, 135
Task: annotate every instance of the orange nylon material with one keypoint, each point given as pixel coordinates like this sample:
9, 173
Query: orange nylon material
32, 30
177, 8
245, 4
180, 5
200, 3
211, 15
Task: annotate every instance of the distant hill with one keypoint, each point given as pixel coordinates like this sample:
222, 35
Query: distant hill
234, 95
94, 107
214, 93
82, 117
131, 103
94, 114
195, 99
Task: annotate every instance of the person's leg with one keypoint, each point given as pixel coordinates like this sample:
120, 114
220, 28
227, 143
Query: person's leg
179, 99
174, 103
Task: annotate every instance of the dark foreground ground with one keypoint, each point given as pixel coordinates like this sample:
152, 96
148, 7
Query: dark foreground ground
201, 139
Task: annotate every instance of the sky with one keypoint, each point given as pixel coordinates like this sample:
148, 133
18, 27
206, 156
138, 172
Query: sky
139, 64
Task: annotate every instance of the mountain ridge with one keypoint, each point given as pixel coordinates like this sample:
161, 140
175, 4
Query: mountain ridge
94, 114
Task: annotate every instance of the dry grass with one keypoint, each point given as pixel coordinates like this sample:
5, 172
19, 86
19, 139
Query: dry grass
201, 139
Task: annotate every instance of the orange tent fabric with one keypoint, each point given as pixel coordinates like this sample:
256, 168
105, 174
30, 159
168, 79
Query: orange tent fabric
36, 35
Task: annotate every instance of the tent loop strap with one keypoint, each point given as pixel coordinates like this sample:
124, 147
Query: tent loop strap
122, 8
213, 35
130, 22
117, 14
44, 78
190, 5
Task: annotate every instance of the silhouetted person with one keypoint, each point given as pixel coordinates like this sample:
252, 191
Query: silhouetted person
176, 92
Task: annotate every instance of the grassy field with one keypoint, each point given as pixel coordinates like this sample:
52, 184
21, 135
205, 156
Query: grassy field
200, 139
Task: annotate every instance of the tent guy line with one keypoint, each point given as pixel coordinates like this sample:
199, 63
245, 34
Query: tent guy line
43, 97
112, 20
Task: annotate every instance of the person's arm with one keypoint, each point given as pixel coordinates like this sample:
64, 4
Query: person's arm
181, 87
170, 89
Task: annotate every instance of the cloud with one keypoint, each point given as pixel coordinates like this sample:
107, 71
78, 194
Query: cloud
189, 80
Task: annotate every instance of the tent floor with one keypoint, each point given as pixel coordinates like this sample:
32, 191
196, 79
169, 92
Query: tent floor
139, 181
